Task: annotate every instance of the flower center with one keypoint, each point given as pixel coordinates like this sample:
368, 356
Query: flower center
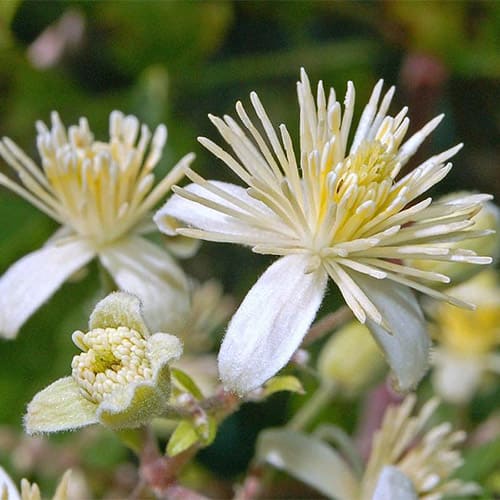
112, 358
370, 166
359, 188
98, 187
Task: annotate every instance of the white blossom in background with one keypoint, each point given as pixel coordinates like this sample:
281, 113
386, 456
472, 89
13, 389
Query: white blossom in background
341, 209
102, 194
8, 490
467, 341
406, 463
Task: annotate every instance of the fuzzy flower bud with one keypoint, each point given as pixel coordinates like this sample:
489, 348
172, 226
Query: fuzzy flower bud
121, 379
351, 358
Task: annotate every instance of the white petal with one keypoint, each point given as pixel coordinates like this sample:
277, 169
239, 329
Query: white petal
145, 270
7, 485
406, 348
270, 323
310, 460
29, 282
394, 485
186, 212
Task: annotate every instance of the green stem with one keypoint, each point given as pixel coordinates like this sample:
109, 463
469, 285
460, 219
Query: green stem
323, 395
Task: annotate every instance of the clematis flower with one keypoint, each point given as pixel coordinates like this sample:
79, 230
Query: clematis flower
101, 193
343, 210
405, 463
121, 379
8, 490
467, 340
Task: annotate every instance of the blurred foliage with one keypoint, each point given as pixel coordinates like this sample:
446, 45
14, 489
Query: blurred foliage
177, 61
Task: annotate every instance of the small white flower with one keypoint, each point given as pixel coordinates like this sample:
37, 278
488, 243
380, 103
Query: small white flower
101, 193
467, 340
405, 463
341, 212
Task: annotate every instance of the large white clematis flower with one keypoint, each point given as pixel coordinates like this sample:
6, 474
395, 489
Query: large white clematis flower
101, 193
337, 211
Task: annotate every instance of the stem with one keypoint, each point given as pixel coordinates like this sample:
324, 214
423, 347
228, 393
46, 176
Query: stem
160, 472
327, 324
319, 399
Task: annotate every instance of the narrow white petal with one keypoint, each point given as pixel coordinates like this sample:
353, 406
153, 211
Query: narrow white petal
270, 323
145, 270
309, 459
179, 210
7, 486
394, 485
406, 348
29, 282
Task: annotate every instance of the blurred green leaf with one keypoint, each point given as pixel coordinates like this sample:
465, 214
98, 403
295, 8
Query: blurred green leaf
283, 383
183, 437
186, 383
480, 461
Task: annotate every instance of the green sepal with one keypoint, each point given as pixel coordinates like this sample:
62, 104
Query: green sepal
186, 382
119, 309
136, 404
283, 383
183, 437
59, 407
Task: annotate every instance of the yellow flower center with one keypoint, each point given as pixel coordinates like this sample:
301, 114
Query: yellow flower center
112, 358
469, 332
361, 187
370, 166
99, 186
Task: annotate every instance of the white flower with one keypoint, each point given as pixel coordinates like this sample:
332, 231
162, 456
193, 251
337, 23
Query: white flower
101, 193
8, 490
405, 463
347, 214
467, 340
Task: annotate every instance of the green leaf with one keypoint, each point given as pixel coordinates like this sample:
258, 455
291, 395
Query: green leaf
186, 382
480, 461
283, 383
184, 436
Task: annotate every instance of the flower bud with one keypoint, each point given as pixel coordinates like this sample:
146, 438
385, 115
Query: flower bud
351, 358
121, 379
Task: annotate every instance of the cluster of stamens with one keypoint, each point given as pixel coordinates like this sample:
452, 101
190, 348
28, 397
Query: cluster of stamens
98, 189
112, 358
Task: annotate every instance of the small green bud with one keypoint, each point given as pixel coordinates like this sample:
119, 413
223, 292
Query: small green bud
121, 379
351, 358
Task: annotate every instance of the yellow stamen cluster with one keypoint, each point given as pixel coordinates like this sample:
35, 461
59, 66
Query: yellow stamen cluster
100, 190
112, 358
428, 460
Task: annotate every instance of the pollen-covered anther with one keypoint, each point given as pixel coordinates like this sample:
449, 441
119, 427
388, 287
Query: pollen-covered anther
112, 358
